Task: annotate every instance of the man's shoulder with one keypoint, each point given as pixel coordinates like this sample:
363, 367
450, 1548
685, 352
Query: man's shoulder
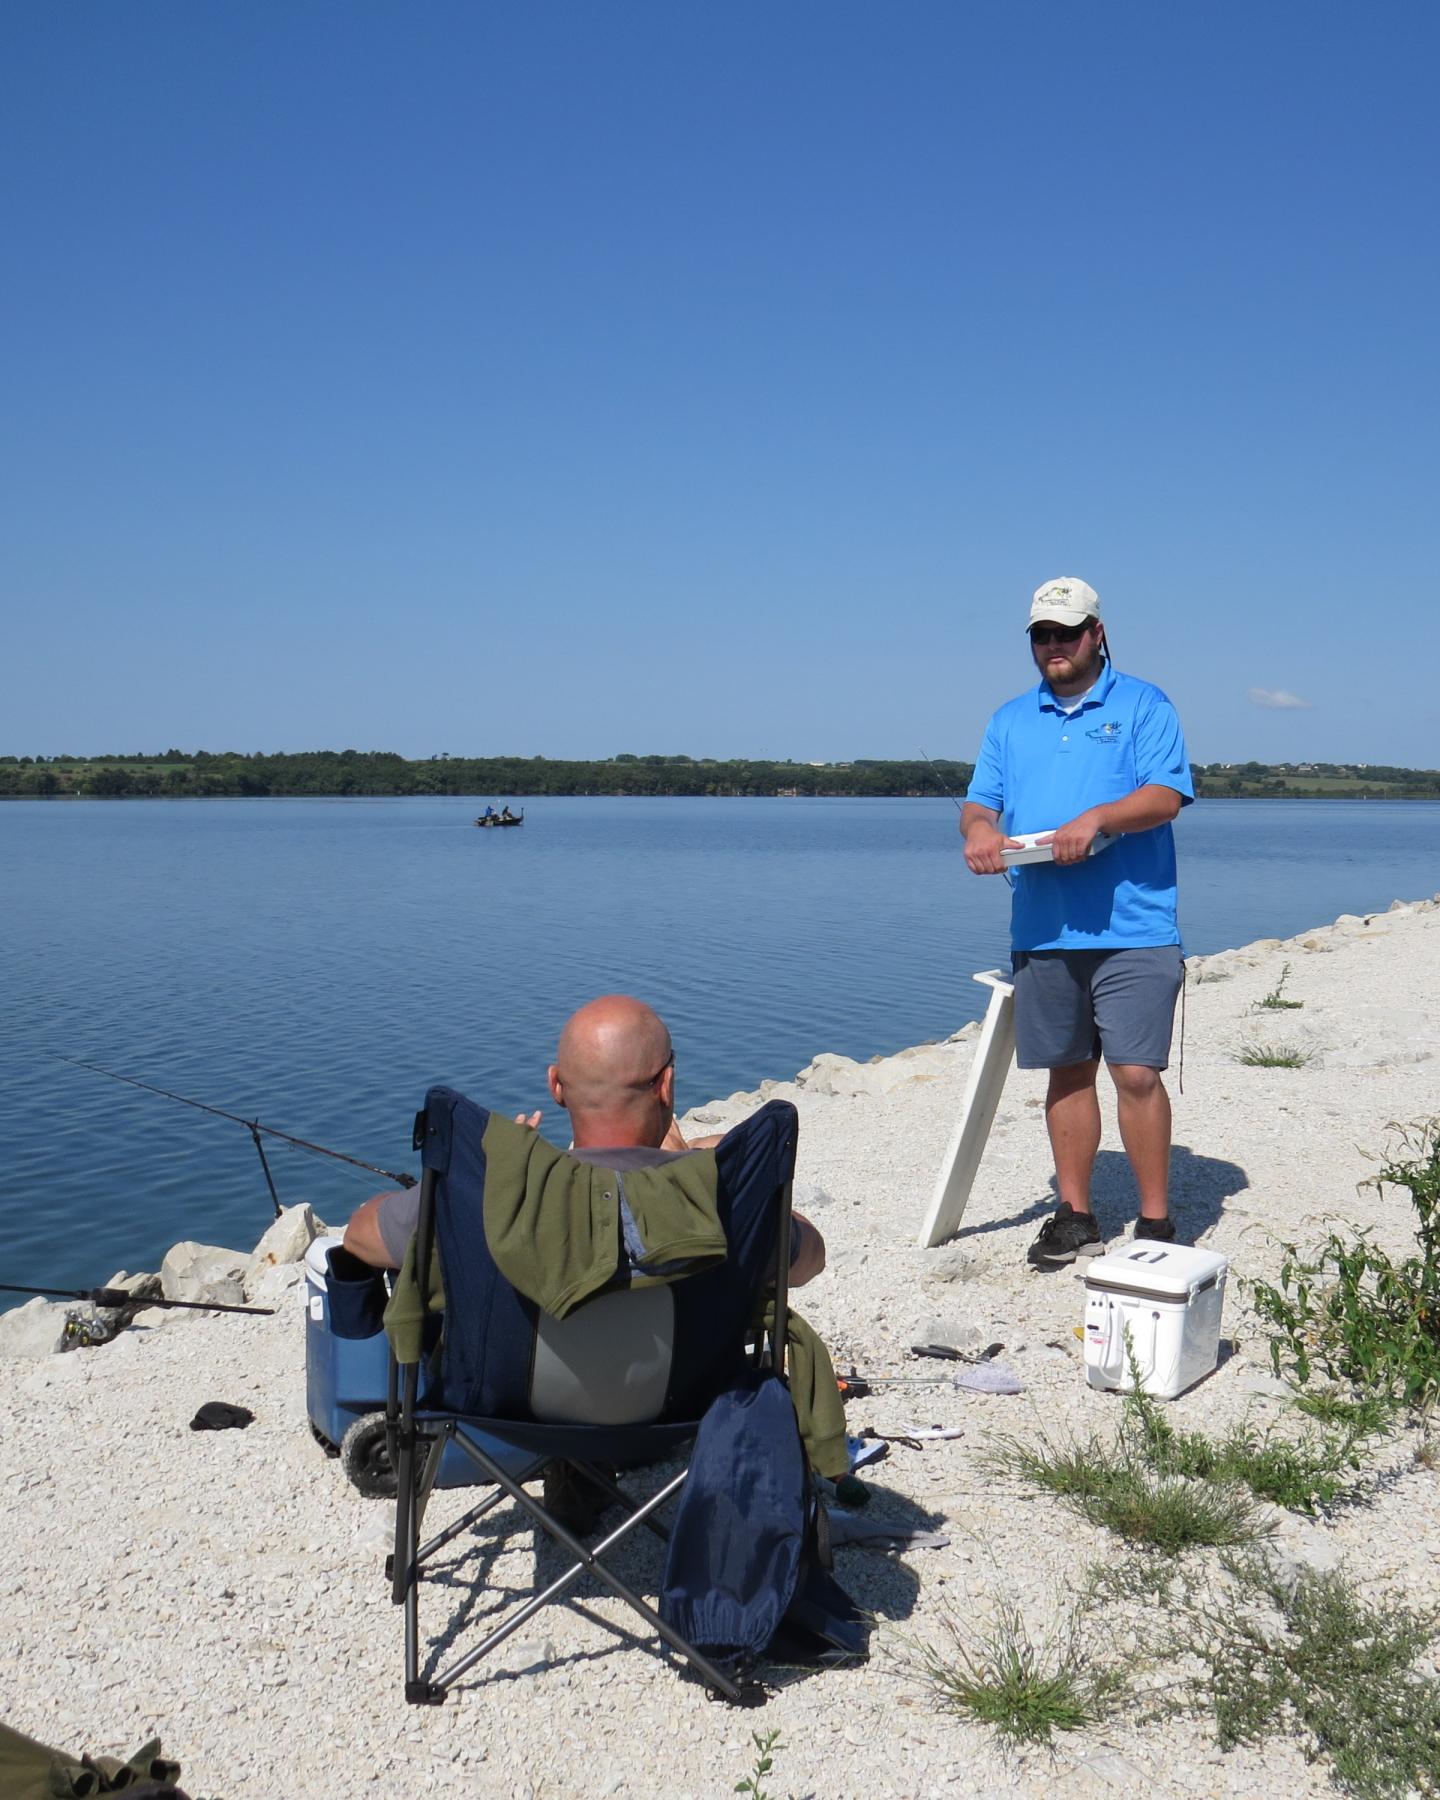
1137, 691
1021, 706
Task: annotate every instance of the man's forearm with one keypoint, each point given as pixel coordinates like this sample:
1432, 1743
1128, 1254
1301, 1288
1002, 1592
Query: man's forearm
972, 813
1140, 810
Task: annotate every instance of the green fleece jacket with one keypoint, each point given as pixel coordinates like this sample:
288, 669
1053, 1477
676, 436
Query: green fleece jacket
554, 1227
30, 1770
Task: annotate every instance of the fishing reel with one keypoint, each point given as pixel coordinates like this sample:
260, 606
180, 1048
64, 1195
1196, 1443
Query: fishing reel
84, 1331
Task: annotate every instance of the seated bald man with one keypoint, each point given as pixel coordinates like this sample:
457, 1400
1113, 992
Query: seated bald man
614, 1073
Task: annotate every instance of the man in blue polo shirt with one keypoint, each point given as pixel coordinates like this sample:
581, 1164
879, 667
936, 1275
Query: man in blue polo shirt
1096, 759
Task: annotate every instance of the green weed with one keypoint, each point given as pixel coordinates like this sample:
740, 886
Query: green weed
1024, 1692
1115, 1488
1365, 1414
1274, 1056
1308, 1655
1352, 1311
1275, 1000
766, 1744
1297, 1475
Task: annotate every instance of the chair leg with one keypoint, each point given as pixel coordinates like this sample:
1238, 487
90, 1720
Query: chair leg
739, 1693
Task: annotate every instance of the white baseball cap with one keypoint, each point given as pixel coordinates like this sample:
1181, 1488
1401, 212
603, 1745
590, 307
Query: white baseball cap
1065, 601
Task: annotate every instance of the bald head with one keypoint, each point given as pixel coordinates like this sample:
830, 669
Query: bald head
614, 1073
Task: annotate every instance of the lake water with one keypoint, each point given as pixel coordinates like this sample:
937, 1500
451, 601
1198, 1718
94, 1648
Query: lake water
320, 963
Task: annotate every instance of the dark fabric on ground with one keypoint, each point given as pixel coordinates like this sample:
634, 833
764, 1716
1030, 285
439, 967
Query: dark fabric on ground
220, 1415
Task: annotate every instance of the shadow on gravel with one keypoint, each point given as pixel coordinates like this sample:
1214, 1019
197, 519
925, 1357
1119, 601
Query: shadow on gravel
1199, 1188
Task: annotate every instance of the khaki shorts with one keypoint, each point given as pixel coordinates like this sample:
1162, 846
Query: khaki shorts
1075, 1006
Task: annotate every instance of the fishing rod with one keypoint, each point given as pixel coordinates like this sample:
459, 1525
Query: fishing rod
117, 1297
944, 789
253, 1126
1009, 878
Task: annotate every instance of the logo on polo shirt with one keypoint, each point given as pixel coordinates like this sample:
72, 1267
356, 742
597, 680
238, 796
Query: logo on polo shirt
1108, 733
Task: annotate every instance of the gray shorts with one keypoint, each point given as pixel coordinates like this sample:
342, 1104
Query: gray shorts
1075, 1006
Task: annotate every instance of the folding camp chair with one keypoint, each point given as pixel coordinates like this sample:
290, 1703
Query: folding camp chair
620, 1381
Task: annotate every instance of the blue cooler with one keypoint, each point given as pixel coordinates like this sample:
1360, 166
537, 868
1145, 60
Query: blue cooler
346, 1376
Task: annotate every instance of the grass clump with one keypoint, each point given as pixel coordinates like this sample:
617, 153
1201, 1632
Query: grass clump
1365, 1414
1299, 1476
1023, 1691
1274, 1056
1275, 1000
1306, 1654
1180, 1490
1115, 1488
1364, 1319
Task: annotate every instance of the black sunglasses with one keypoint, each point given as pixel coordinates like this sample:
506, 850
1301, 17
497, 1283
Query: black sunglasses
669, 1063
1058, 634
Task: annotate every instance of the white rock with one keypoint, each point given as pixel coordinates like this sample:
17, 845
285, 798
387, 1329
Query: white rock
35, 1329
944, 1266
143, 1287
1299, 1545
286, 1241
203, 1272
1116, 1771
267, 1287
830, 1074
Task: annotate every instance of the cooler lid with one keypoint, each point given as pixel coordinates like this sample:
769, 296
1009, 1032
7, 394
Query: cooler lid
317, 1257
1169, 1271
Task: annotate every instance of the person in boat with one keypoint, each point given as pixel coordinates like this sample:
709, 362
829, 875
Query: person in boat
507, 817
489, 813
614, 1073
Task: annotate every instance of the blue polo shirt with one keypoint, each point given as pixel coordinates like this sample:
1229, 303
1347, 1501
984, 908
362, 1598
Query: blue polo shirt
1040, 767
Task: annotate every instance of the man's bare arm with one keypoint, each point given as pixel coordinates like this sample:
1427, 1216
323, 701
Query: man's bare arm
984, 840
1140, 810
362, 1235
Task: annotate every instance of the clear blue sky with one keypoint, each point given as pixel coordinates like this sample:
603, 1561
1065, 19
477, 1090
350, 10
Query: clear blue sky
570, 378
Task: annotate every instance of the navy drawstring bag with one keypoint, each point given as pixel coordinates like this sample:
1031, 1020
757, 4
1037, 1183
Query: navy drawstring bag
743, 1573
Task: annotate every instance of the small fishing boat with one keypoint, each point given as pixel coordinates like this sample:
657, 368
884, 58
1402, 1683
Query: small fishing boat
485, 821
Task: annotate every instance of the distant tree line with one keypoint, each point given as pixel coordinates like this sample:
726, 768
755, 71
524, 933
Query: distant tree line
178, 774
378, 772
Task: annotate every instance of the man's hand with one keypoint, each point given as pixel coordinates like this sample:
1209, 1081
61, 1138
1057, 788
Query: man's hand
1071, 843
530, 1119
984, 840
1145, 807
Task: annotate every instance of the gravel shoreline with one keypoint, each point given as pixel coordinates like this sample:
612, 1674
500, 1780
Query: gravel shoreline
224, 1590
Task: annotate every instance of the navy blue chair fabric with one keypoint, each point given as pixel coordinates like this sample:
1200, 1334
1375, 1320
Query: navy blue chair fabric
739, 1532
478, 1368
484, 1365
357, 1296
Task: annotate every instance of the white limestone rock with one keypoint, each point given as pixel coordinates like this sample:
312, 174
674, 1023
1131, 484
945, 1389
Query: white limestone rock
830, 1074
145, 1286
193, 1271
286, 1241
35, 1329
269, 1285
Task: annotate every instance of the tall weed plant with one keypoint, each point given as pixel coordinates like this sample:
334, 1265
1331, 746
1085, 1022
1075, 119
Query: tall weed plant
1353, 1312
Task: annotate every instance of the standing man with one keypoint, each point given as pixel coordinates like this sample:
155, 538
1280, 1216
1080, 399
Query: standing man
1097, 956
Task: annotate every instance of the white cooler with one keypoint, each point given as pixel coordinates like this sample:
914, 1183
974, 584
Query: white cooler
1168, 1298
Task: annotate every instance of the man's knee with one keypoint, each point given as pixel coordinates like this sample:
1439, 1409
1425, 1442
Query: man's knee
1134, 1081
1072, 1078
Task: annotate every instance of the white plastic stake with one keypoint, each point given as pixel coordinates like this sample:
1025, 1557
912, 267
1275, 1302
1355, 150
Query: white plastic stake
993, 1055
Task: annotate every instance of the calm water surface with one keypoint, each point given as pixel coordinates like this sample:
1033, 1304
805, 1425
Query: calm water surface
319, 963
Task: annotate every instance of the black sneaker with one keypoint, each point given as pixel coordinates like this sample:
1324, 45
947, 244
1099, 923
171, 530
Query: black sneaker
1162, 1230
1068, 1235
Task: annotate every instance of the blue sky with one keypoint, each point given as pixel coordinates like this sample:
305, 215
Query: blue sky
574, 378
